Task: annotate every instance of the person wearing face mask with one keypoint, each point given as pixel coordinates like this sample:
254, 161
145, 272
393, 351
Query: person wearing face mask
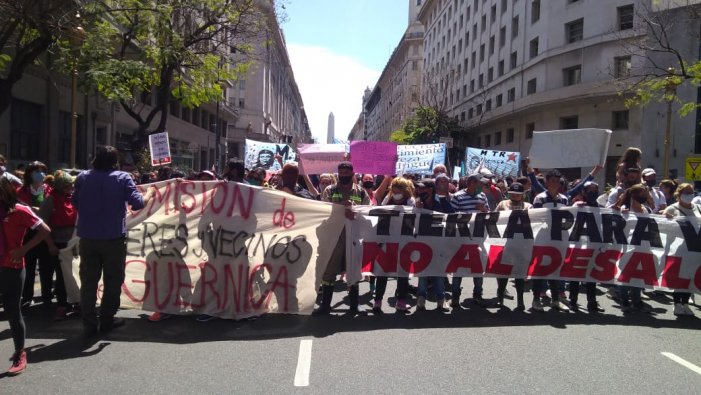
58, 212
650, 179
347, 193
633, 200
401, 193
515, 201
683, 208
33, 193
433, 195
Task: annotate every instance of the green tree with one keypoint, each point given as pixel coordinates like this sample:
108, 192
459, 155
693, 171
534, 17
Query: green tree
661, 62
428, 125
28, 28
171, 49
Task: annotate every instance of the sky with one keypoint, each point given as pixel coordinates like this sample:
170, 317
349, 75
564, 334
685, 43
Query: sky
338, 48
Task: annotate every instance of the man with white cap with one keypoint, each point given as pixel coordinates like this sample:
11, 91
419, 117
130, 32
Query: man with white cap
650, 179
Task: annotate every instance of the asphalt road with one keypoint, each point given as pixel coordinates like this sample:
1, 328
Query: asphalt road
475, 349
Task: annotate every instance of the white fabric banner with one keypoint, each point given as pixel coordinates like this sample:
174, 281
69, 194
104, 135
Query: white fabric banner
585, 244
224, 249
569, 148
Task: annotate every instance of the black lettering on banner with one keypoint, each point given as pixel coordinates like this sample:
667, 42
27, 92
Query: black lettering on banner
224, 241
181, 233
431, 224
692, 239
560, 220
488, 221
646, 229
484, 153
459, 221
284, 239
585, 225
383, 221
163, 250
242, 249
408, 220
613, 225
519, 222
284, 152
294, 246
131, 240
148, 234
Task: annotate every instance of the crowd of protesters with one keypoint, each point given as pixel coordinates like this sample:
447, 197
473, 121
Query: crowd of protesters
41, 213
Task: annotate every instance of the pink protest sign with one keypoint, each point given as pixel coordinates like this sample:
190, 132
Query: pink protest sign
320, 158
374, 157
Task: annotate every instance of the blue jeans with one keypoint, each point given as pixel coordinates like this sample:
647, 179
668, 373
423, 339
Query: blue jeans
438, 287
477, 281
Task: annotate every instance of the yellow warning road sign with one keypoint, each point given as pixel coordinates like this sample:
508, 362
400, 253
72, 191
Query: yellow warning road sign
693, 169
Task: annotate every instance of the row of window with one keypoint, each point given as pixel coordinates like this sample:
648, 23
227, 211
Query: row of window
574, 31
570, 76
619, 121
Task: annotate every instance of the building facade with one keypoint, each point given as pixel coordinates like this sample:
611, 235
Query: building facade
396, 95
507, 68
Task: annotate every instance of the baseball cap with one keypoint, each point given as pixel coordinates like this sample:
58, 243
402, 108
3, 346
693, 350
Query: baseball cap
648, 172
516, 188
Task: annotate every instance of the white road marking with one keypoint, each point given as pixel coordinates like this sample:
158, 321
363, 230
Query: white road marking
304, 362
682, 362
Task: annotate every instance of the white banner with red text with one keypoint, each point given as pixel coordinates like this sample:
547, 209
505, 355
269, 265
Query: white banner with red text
224, 249
579, 244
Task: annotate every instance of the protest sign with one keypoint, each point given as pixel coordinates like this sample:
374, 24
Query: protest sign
419, 158
579, 244
320, 158
159, 147
374, 157
224, 249
262, 154
457, 173
500, 163
569, 148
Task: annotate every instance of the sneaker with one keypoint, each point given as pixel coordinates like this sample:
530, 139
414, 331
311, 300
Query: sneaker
678, 309
19, 363
61, 313
377, 306
421, 303
205, 318
593, 307
401, 305
158, 316
559, 306
537, 305
686, 310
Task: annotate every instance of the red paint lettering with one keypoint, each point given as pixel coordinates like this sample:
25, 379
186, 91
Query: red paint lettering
671, 276
387, 259
415, 266
244, 203
494, 264
147, 284
186, 190
576, 263
539, 267
281, 218
641, 265
210, 283
605, 269
468, 256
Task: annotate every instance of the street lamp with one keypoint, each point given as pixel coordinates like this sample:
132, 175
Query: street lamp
671, 84
76, 39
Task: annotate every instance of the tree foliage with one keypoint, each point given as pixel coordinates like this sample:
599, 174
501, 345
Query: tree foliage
427, 126
664, 63
28, 28
171, 49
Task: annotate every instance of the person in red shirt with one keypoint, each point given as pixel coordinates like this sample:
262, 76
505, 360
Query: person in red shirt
32, 194
17, 219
